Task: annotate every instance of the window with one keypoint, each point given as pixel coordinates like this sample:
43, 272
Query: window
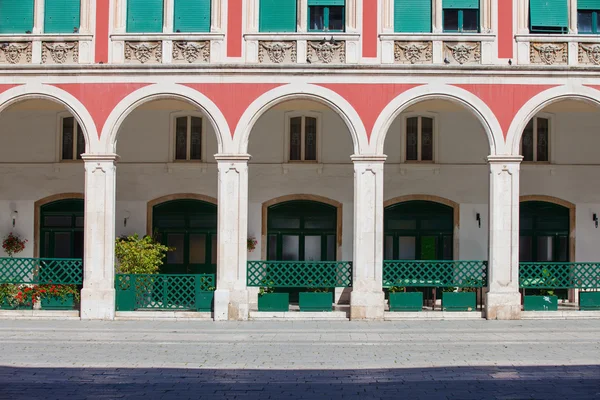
461, 15
192, 16
326, 15
412, 16
16, 16
144, 16
548, 16
535, 142
303, 138
587, 16
62, 16
277, 16
72, 140
188, 138
419, 139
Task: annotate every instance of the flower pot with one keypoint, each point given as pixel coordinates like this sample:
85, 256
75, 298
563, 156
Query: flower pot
310, 301
58, 303
459, 301
204, 301
275, 302
401, 301
589, 301
540, 303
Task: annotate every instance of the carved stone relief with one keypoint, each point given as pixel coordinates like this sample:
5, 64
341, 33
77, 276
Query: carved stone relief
191, 52
143, 52
589, 54
60, 52
15, 53
413, 52
326, 52
548, 53
277, 52
462, 53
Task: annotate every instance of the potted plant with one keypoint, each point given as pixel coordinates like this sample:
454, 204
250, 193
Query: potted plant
589, 301
268, 300
25, 298
8, 293
58, 297
13, 244
251, 244
545, 300
401, 300
316, 299
453, 300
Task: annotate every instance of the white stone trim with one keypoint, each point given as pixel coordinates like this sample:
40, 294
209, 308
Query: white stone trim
59, 137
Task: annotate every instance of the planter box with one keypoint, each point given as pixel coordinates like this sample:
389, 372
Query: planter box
6, 306
540, 303
412, 301
459, 301
315, 301
58, 303
589, 301
204, 301
277, 302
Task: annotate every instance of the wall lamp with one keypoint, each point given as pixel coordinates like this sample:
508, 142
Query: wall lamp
126, 215
478, 218
14, 215
595, 218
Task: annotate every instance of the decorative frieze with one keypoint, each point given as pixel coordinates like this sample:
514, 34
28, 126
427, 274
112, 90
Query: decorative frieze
413, 52
60, 52
191, 52
15, 53
326, 52
589, 53
277, 52
143, 52
548, 53
462, 53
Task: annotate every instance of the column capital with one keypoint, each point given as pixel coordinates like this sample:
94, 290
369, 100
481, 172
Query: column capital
232, 158
369, 158
505, 159
99, 157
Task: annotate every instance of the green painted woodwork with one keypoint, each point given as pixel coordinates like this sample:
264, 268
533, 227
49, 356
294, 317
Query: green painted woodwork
5, 305
62, 229
548, 15
413, 16
559, 275
192, 16
589, 301
41, 271
61, 16
408, 273
204, 301
540, 303
315, 302
459, 301
293, 274
274, 302
541, 223
277, 16
463, 4
163, 292
58, 303
16, 16
326, 2
588, 4
145, 16
406, 301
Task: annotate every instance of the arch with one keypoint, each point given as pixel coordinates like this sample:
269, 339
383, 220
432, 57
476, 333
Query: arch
440, 92
300, 92
299, 197
164, 91
37, 212
172, 197
56, 95
540, 101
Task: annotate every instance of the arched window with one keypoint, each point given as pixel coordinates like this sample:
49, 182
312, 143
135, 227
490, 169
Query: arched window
544, 232
61, 229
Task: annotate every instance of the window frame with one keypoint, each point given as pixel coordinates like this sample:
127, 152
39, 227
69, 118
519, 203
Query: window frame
404, 147
550, 120
595, 14
287, 142
173, 137
326, 18
59, 138
461, 20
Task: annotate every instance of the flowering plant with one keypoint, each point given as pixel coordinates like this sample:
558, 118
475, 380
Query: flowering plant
252, 243
8, 293
57, 291
26, 296
13, 244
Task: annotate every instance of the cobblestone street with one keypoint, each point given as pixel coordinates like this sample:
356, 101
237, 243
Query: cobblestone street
307, 360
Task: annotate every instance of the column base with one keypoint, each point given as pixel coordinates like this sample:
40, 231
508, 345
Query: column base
503, 306
231, 305
367, 306
98, 304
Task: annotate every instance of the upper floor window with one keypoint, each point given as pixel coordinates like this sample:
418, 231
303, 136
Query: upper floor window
303, 138
413, 16
548, 16
326, 15
16, 16
461, 15
277, 16
72, 140
587, 16
188, 138
535, 142
62, 16
192, 16
145, 16
419, 139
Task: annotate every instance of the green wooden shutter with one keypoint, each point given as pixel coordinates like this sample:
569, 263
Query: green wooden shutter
277, 16
192, 16
61, 16
463, 4
16, 16
412, 16
144, 16
326, 2
548, 13
588, 4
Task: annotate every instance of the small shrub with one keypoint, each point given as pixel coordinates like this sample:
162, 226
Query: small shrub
139, 256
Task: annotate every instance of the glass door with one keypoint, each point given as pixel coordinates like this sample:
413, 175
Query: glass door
61, 229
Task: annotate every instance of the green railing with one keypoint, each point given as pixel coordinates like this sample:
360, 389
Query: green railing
163, 292
300, 274
559, 275
409, 273
61, 271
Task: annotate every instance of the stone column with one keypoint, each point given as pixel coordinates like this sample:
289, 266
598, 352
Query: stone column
503, 300
98, 293
231, 296
367, 298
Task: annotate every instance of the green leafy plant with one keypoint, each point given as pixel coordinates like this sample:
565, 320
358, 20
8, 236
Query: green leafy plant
8, 293
139, 255
13, 244
57, 291
317, 290
267, 288
397, 289
448, 289
26, 295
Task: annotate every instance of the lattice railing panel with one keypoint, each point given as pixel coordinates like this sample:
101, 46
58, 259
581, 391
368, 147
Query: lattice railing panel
410, 273
61, 271
559, 275
299, 274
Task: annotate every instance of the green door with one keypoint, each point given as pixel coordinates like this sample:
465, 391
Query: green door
189, 227
61, 229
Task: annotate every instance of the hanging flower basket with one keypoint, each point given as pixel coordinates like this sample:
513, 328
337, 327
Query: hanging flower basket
252, 244
13, 244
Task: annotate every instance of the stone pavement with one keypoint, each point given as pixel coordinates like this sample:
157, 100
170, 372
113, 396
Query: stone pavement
300, 360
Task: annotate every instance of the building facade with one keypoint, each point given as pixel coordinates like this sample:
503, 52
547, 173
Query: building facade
327, 130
